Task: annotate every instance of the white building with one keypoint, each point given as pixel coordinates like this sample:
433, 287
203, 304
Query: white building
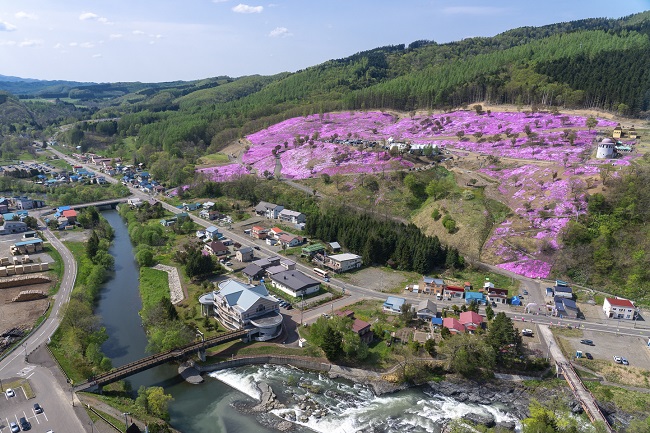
605, 149
294, 283
619, 308
343, 262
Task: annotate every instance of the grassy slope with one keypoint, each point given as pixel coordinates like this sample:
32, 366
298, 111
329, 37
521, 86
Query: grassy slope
154, 285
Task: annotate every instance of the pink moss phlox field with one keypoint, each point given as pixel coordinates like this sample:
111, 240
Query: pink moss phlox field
224, 173
531, 268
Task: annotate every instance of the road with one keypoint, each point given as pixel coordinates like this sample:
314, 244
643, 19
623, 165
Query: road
42, 379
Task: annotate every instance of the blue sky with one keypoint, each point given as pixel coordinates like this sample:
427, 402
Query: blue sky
166, 40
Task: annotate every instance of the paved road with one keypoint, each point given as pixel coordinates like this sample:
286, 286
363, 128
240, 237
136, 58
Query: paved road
62, 417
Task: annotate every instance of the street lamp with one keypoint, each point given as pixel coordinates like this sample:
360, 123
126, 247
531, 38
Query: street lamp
302, 306
126, 422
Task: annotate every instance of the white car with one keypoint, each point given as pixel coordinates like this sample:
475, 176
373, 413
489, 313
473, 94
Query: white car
618, 359
14, 427
10, 393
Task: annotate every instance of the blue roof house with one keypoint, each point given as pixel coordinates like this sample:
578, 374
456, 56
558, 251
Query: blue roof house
394, 304
477, 297
212, 232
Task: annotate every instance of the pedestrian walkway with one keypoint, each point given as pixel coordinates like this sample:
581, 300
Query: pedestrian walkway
175, 288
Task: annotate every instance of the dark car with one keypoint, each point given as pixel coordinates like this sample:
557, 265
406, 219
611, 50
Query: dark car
38, 408
587, 342
24, 424
256, 247
588, 355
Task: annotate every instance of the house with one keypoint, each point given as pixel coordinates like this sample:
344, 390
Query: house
426, 309
285, 265
498, 296
393, 304
168, 222
618, 131
275, 233
565, 308
289, 241
435, 286
25, 203
292, 216
362, 329
619, 308
211, 214
453, 292
244, 254
453, 324
335, 247
212, 233
563, 292
244, 306
312, 250
10, 227
258, 232
295, 283
134, 202
253, 271
267, 262
71, 215
632, 133
208, 205
342, 262
471, 320
436, 322
269, 210
189, 207
216, 248
477, 297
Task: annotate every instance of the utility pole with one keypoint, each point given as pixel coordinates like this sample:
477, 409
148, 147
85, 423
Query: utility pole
302, 306
126, 422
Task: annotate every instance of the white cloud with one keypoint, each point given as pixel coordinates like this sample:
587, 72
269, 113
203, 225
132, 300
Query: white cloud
30, 43
115, 36
88, 16
7, 43
73, 44
26, 16
6, 27
246, 9
96, 56
138, 32
280, 32
87, 45
472, 10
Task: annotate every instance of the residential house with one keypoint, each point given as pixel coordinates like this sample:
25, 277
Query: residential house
393, 305
211, 214
208, 205
11, 227
487, 286
426, 309
71, 215
285, 265
259, 232
471, 320
134, 202
453, 324
363, 330
335, 247
312, 250
477, 297
253, 271
244, 306
435, 286
292, 216
212, 233
289, 241
216, 248
25, 203
498, 296
565, 308
294, 283
343, 262
189, 207
168, 222
563, 292
275, 233
267, 262
453, 292
269, 210
619, 308
244, 254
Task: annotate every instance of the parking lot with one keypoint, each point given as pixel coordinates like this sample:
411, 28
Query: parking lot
19, 406
607, 345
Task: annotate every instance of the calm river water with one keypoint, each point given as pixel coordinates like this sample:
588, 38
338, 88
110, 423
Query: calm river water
209, 407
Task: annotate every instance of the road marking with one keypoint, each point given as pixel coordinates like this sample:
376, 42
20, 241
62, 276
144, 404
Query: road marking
29, 376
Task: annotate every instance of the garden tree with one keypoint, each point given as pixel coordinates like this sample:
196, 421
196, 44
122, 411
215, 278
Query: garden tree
154, 401
332, 345
144, 257
591, 122
473, 306
430, 347
407, 313
197, 264
489, 312
504, 339
92, 245
31, 222
468, 355
445, 333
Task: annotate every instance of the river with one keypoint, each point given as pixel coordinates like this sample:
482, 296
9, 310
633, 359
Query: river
209, 407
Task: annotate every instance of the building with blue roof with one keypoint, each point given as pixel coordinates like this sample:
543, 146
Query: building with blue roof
477, 297
394, 304
244, 306
565, 308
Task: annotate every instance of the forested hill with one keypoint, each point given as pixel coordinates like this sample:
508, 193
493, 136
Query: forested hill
592, 63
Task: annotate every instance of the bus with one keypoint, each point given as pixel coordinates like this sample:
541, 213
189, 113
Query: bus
322, 273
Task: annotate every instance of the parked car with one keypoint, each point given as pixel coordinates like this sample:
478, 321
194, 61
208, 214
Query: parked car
38, 408
24, 424
624, 361
289, 307
14, 427
618, 359
10, 393
256, 247
588, 355
526, 292
527, 332
587, 342
228, 263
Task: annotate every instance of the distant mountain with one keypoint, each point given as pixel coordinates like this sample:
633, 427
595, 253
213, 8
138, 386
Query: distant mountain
8, 78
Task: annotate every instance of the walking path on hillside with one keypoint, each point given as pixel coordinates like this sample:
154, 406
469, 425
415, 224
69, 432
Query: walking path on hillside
175, 288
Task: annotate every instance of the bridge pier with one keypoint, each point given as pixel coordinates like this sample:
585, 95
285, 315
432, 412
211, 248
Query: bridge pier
202, 355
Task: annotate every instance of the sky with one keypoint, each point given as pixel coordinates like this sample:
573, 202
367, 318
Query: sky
168, 40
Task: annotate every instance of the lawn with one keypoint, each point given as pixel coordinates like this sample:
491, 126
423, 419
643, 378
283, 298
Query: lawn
625, 399
214, 158
154, 285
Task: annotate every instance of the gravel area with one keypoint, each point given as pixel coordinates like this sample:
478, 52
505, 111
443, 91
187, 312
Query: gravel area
175, 288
